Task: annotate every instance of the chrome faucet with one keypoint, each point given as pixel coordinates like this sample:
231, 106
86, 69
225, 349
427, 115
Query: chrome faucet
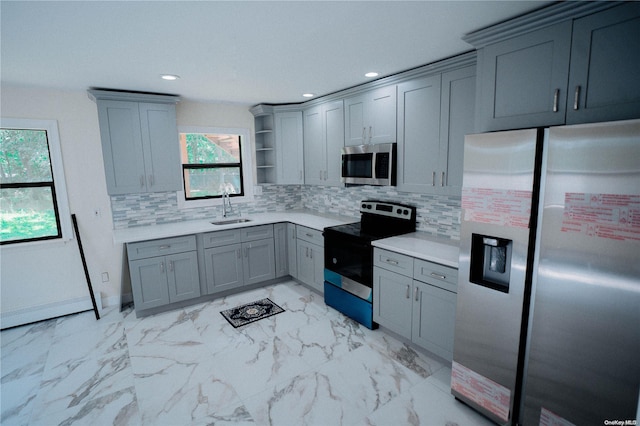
225, 195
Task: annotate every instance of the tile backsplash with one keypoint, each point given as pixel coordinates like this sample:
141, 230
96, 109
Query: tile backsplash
437, 215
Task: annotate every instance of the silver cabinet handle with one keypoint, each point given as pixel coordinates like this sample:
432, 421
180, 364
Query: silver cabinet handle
246, 251
141, 181
165, 247
392, 261
320, 174
311, 254
364, 135
370, 133
238, 253
438, 276
151, 180
415, 294
576, 99
556, 98
307, 252
442, 179
408, 288
433, 179
326, 175
308, 234
162, 267
171, 266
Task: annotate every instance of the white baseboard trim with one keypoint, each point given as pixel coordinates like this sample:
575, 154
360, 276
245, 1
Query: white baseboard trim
48, 311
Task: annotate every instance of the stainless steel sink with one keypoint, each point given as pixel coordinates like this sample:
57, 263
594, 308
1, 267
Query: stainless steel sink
230, 221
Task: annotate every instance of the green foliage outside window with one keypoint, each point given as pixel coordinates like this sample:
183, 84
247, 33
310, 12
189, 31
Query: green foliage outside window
27, 207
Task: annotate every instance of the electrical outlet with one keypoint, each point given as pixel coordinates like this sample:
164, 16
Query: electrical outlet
105, 277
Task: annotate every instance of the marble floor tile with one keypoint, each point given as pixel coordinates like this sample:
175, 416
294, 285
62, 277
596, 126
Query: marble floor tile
426, 404
309, 365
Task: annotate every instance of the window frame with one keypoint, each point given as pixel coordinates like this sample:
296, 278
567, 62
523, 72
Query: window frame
246, 173
60, 197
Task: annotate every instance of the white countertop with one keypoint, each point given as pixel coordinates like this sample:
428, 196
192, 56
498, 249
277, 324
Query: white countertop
309, 219
423, 246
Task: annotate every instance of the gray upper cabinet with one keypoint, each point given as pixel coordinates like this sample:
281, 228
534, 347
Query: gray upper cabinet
523, 80
289, 148
457, 119
604, 83
573, 62
434, 114
370, 117
139, 142
323, 142
418, 133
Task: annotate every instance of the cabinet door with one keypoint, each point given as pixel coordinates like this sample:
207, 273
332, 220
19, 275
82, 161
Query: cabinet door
434, 315
122, 147
259, 261
292, 250
382, 115
161, 147
149, 282
333, 114
604, 83
418, 134
457, 120
224, 267
314, 147
355, 124
306, 268
280, 243
317, 257
523, 80
184, 280
392, 301
289, 148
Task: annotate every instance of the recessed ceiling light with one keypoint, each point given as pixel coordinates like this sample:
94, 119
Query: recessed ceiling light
308, 95
371, 74
170, 77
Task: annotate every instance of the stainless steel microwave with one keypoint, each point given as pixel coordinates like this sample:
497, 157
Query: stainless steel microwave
369, 164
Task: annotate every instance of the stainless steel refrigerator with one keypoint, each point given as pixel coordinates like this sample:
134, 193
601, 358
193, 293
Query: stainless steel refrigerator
548, 310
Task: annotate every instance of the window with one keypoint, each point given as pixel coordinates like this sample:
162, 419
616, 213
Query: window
30, 189
211, 165
215, 160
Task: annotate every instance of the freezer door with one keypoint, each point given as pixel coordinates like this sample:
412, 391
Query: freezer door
585, 330
497, 196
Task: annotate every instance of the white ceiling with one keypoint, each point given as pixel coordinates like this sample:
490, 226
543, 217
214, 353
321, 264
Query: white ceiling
244, 52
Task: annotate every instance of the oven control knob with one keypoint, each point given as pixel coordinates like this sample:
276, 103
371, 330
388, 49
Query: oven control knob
364, 206
335, 261
406, 212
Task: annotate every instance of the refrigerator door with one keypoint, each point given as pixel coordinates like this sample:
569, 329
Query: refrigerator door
585, 330
498, 192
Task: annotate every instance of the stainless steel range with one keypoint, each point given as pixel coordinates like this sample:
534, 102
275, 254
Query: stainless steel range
348, 256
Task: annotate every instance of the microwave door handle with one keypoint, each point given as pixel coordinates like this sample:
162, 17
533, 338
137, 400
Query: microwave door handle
373, 164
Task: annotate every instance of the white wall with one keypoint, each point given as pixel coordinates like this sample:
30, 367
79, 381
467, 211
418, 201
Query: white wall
38, 276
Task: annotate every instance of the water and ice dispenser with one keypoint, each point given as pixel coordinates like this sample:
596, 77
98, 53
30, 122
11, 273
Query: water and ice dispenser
491, 262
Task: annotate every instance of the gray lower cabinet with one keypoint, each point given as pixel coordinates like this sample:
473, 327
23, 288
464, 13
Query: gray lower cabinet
163, 271
415, 299
238, 257
310, 257
281, 242
292, 250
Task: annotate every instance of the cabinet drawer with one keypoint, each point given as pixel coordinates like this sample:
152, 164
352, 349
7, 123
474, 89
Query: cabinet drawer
310, 235
254, 233
161, 247
394, 262
221, 238
435, 274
